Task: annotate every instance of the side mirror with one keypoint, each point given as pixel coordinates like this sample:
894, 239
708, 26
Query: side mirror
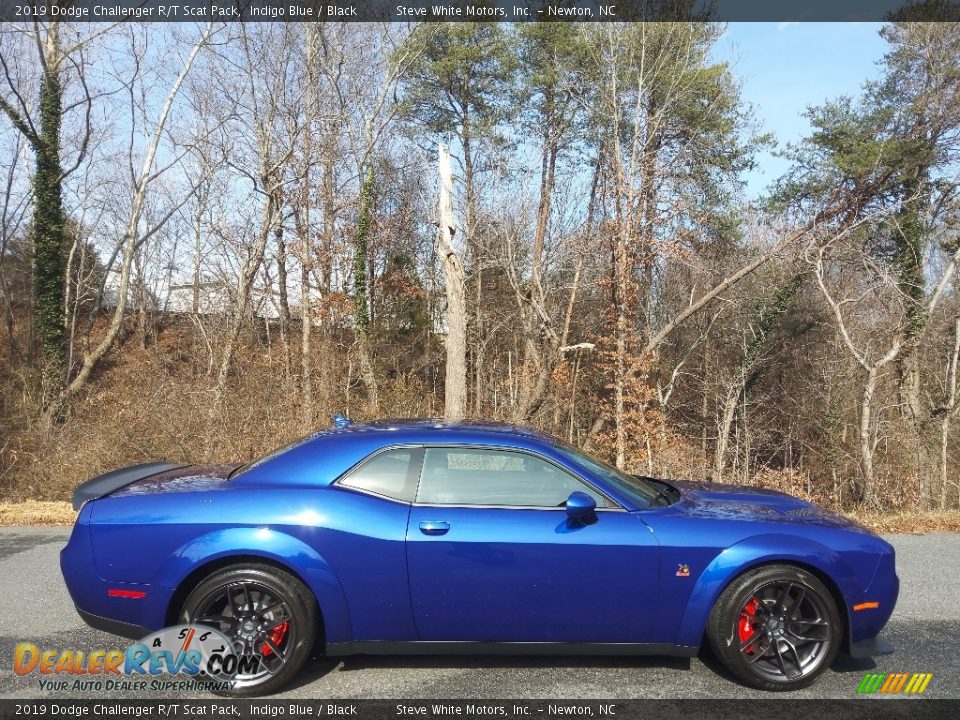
580, 506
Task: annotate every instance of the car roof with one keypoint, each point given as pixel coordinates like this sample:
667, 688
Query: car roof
345, 444
466, 427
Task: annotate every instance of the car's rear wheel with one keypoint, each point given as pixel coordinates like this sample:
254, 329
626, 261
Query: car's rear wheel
266, 613
775, 628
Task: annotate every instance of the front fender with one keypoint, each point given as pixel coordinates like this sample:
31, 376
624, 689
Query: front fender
762, 550
269, 544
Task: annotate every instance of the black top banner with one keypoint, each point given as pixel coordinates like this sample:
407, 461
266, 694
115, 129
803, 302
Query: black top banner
478, 10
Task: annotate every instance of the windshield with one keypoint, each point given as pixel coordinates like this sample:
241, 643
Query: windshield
643, 492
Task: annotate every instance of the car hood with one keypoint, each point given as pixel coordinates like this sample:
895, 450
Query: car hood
736, 502
192, 478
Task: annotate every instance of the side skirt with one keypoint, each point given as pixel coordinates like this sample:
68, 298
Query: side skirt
425, 647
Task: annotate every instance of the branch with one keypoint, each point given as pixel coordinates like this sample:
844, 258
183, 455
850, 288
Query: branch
86, 134
21, 122
655, 340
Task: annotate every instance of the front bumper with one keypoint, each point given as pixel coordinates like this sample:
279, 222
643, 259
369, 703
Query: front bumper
869, 612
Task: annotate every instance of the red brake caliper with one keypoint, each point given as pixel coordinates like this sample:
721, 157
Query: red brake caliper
276, 637
746, 625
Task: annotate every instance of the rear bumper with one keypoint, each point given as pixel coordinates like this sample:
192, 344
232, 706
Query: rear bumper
93, 597
115, 627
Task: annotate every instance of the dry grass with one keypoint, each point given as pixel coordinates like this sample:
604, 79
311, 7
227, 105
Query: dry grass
152, 405
37, 512
914, 523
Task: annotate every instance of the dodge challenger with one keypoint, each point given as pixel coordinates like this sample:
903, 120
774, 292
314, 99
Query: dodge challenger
425, 536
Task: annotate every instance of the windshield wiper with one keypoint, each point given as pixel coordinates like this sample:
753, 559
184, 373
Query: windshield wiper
662, 494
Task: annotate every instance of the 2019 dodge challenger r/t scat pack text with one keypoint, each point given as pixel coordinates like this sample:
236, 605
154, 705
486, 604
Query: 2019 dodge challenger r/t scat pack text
421, 536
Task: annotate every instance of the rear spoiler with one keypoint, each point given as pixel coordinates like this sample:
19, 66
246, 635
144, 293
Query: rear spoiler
116, 479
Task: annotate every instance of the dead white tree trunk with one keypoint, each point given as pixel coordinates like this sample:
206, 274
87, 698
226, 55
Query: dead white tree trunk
455, 389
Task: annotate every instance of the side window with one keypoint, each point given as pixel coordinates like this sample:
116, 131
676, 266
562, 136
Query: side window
469, 476
387, 474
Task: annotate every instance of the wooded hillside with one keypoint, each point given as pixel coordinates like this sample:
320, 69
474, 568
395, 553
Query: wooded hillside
213, 237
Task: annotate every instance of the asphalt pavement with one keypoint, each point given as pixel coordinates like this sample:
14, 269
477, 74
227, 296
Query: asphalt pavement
925, 629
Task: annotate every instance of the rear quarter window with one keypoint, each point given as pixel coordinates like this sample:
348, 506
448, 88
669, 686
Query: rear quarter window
388, 473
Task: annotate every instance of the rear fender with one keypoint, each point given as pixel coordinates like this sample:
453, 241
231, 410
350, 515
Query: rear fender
753, 552
278, 547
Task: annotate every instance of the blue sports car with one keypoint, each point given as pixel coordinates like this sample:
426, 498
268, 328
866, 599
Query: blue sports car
425, 536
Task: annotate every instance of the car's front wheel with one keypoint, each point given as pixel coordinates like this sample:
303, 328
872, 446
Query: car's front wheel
775, 628
266, 613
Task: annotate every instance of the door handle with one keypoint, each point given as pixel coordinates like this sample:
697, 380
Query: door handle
434, 527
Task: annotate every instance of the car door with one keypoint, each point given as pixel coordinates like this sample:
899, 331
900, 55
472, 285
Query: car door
492, 555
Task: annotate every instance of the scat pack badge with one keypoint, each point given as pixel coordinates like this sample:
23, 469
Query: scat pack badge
683, 570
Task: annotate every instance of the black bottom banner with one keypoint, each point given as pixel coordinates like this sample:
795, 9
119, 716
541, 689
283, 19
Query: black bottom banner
686, 709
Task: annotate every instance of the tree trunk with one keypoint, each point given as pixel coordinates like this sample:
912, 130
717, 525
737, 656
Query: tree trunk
49, 223
360, 295
730, 400
306, 326
284, 299
648, 193
197, 254
911, 402
866, 493
455, 388
324, 259
622, 273
475, 259
547, 353
534, 362
302, 223
950, 408
247, 275
910, 240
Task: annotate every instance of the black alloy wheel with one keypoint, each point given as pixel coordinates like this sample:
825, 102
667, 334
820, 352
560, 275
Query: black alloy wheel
266, 613
775, 628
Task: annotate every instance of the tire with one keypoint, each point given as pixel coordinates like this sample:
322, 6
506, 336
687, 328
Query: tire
776, 627
258, 606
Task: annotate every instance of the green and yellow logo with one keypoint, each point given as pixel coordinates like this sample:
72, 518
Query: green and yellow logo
894, 683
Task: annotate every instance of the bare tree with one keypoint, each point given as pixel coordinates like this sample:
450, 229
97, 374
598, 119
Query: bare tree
56, 55
949, 408
267, 59
135, 234
362, 69
871, 363
302, 223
